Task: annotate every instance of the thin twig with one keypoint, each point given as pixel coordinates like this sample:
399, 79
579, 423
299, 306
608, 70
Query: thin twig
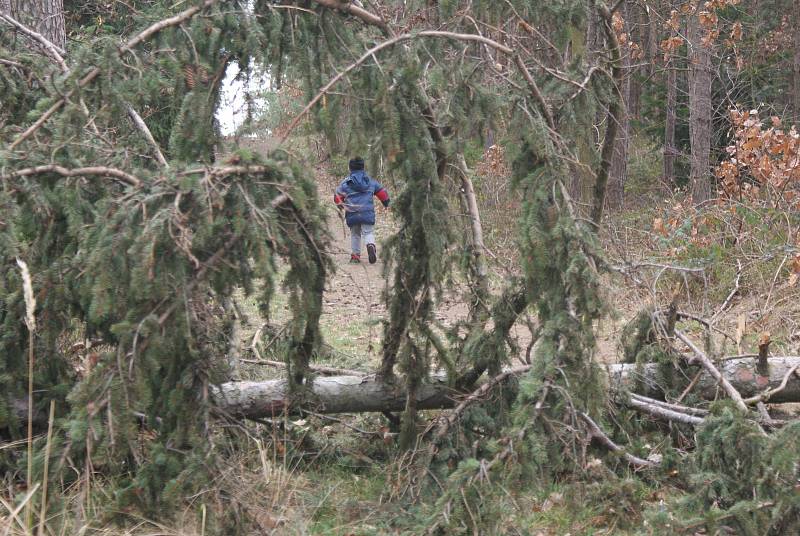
769, 393
691, 385
601, 436
731, 294
715, 373
148, 136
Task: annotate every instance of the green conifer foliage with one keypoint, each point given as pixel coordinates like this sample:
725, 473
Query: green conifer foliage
740, 480
418, 250
140, 258
186, 240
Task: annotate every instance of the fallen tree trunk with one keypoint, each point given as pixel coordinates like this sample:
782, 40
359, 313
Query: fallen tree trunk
741, 373
355, 394
361, 394
331, 394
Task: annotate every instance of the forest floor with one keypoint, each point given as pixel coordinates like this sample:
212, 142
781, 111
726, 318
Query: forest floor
341, 475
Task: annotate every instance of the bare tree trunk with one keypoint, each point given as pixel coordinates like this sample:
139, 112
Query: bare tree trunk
619, 163
796, 64
44, 16
699, 111
636, 21
612, 122
670, 152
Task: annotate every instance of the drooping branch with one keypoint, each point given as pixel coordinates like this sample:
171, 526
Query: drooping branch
378, 48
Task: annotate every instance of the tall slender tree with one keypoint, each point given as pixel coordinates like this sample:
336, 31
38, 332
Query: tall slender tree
796, 63
700, 108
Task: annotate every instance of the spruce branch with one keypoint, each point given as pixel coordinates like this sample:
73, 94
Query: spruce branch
597, 433
382, 46
96, 71
118, 174
356, 11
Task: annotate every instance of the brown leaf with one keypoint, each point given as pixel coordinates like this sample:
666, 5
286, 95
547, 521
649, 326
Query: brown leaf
658, 226
764, 339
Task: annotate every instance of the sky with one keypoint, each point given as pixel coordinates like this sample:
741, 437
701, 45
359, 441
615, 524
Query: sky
232, 110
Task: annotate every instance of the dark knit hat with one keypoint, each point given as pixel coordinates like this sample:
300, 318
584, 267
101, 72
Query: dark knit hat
357, 164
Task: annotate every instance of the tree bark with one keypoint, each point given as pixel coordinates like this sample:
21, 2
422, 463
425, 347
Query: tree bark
796, 66
613, 118
699, 111
619, 163
670, 152
332, 394
352, 394
363, 394
43, 16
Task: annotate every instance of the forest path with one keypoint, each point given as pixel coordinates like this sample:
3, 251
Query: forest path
353, 307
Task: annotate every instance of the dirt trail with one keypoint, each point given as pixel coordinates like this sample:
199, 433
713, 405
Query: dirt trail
353, 306
352, 303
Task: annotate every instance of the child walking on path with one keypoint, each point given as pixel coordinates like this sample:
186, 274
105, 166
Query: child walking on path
354, 194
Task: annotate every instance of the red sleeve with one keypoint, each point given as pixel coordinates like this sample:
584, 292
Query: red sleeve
338, 199
382, 195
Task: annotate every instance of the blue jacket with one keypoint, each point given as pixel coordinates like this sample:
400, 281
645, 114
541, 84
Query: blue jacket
356, 192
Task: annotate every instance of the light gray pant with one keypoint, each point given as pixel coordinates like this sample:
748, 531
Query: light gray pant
359, 230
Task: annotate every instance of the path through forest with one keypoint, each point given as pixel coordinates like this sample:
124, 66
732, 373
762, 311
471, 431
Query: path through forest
353, 306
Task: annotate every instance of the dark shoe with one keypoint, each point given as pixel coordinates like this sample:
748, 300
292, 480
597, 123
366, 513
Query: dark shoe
371, 253
355, 259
